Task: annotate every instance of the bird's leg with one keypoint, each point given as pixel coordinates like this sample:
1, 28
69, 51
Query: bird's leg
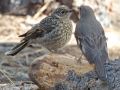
79, 59
61, 51
57, 51
51, 51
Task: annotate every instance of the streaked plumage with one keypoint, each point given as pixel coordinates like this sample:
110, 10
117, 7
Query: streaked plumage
53, 32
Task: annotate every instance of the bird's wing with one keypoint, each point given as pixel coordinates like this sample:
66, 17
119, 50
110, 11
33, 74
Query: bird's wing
94, 49
39, 30
85, 47
91, 44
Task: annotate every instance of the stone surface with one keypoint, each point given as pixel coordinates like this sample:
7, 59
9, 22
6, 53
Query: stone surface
47, 70
63, 72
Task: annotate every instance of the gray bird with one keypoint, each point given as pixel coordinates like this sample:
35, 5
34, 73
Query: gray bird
53, 32
91, 40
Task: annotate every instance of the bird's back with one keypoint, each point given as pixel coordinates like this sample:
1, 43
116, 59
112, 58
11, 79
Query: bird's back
91, 26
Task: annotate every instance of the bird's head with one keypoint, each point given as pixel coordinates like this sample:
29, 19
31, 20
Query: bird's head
86, 11
62, 12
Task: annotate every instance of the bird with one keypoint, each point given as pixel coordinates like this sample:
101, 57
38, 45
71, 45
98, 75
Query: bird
53, 32
90, 38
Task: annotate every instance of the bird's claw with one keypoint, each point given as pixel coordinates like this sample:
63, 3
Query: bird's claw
79, 60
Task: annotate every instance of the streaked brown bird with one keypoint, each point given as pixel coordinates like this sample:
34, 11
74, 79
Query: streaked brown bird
53, 32
91, 40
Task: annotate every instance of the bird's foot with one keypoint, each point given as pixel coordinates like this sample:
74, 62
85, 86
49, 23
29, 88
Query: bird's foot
57, 52
79, 60
60, 52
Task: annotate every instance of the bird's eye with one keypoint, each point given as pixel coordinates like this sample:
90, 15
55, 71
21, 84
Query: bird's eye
62, 12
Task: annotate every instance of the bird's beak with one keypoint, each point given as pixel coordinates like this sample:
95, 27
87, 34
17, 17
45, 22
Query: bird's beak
71, 10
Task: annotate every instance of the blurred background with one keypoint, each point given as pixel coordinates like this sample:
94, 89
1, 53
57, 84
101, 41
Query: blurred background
18, 16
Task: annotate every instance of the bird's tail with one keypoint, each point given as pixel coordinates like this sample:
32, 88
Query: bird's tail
100, 68
17, 49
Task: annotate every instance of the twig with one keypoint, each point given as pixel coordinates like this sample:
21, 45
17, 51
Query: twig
7, 77
40, 10
2, 85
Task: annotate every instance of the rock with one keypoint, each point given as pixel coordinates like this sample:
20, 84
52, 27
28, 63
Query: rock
47, 70
63, 72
